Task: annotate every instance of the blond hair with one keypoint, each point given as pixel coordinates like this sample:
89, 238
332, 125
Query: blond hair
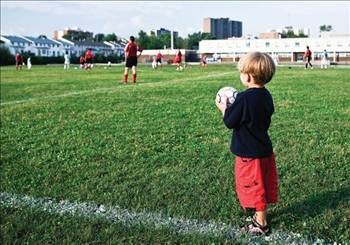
259, 65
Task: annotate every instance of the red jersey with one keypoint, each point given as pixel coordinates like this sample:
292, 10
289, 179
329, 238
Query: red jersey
308, 53
159, 56
19, 58
178, 57
82, 60
131, 49
89, 54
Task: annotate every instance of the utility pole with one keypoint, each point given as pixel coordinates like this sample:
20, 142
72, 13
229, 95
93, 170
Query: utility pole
172, 39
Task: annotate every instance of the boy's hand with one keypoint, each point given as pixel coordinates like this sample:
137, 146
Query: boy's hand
222, 105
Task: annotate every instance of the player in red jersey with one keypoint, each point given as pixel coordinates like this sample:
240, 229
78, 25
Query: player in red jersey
178, 60
89, 55
19, 61
159, 58
307, 57
82, 62
131, 56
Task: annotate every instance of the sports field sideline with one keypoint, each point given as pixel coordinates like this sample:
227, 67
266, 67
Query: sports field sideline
78, 147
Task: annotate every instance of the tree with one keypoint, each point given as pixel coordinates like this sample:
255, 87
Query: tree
325, 28
111, 38
143, 40
195, 38
99, 37
6, 57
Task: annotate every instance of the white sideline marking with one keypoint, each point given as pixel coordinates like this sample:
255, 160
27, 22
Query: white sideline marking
110, 89
117, 215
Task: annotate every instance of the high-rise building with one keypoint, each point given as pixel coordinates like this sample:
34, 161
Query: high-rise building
162, 31
222, 28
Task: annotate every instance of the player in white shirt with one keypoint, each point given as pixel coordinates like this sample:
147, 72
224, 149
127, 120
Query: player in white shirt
66, 61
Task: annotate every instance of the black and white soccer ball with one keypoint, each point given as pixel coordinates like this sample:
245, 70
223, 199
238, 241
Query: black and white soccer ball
229, 92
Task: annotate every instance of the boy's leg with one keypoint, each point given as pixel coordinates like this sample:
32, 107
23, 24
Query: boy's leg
134, 74
261, 217
126, 71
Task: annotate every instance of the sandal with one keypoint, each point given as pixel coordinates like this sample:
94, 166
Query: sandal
255, 229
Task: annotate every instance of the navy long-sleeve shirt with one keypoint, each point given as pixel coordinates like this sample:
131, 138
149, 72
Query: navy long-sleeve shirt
250, 117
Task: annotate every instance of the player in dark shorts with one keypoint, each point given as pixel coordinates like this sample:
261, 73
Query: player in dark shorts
19, 61
204, 61
159, 59
131, 56
307, 57
88, 59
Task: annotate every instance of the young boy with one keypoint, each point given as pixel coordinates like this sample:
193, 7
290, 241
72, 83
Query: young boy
249, 117
131, 56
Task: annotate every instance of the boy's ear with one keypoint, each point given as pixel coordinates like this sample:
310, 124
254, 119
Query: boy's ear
249, 78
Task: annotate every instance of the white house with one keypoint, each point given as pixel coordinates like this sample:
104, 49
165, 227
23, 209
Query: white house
66, 46
44, 46
16, 44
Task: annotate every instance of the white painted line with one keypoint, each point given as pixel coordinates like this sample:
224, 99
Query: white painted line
117, 215
111, 89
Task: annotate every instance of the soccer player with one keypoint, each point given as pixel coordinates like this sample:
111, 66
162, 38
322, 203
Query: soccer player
307, 57
29, 63
89, 55
324, 60
131, 56
82, 62
204, 61
250, 117
159, 58
178, 60
66, 61
19, 61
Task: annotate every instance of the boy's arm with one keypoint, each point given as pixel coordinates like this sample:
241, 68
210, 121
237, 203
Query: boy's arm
233, 114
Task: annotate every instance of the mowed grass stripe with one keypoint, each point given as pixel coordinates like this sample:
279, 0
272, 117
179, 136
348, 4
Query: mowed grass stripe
112, 89
128, 218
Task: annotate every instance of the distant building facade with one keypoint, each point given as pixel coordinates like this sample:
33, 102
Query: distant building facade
222, 28
270, 35
75, 34
286, 50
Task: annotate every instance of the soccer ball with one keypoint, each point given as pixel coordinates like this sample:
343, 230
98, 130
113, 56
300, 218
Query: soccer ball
229, 92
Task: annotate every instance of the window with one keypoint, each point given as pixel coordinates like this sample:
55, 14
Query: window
297, 44
53, 53
267, 44
247, 44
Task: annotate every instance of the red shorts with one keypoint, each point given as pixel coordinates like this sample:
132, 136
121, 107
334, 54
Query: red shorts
256, 182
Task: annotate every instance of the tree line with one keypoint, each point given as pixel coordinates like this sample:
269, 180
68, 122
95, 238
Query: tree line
156, 42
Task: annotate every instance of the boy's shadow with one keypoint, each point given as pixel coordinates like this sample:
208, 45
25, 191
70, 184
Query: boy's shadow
314, 205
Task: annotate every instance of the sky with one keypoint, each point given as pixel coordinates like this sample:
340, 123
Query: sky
127, 18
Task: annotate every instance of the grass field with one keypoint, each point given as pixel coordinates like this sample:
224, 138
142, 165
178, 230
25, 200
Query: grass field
161, 147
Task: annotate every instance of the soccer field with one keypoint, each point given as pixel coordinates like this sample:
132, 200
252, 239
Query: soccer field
78, 147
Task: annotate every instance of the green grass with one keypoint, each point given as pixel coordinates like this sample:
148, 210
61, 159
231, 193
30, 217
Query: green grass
161, 146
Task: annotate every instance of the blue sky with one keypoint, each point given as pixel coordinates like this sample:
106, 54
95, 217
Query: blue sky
127, 18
